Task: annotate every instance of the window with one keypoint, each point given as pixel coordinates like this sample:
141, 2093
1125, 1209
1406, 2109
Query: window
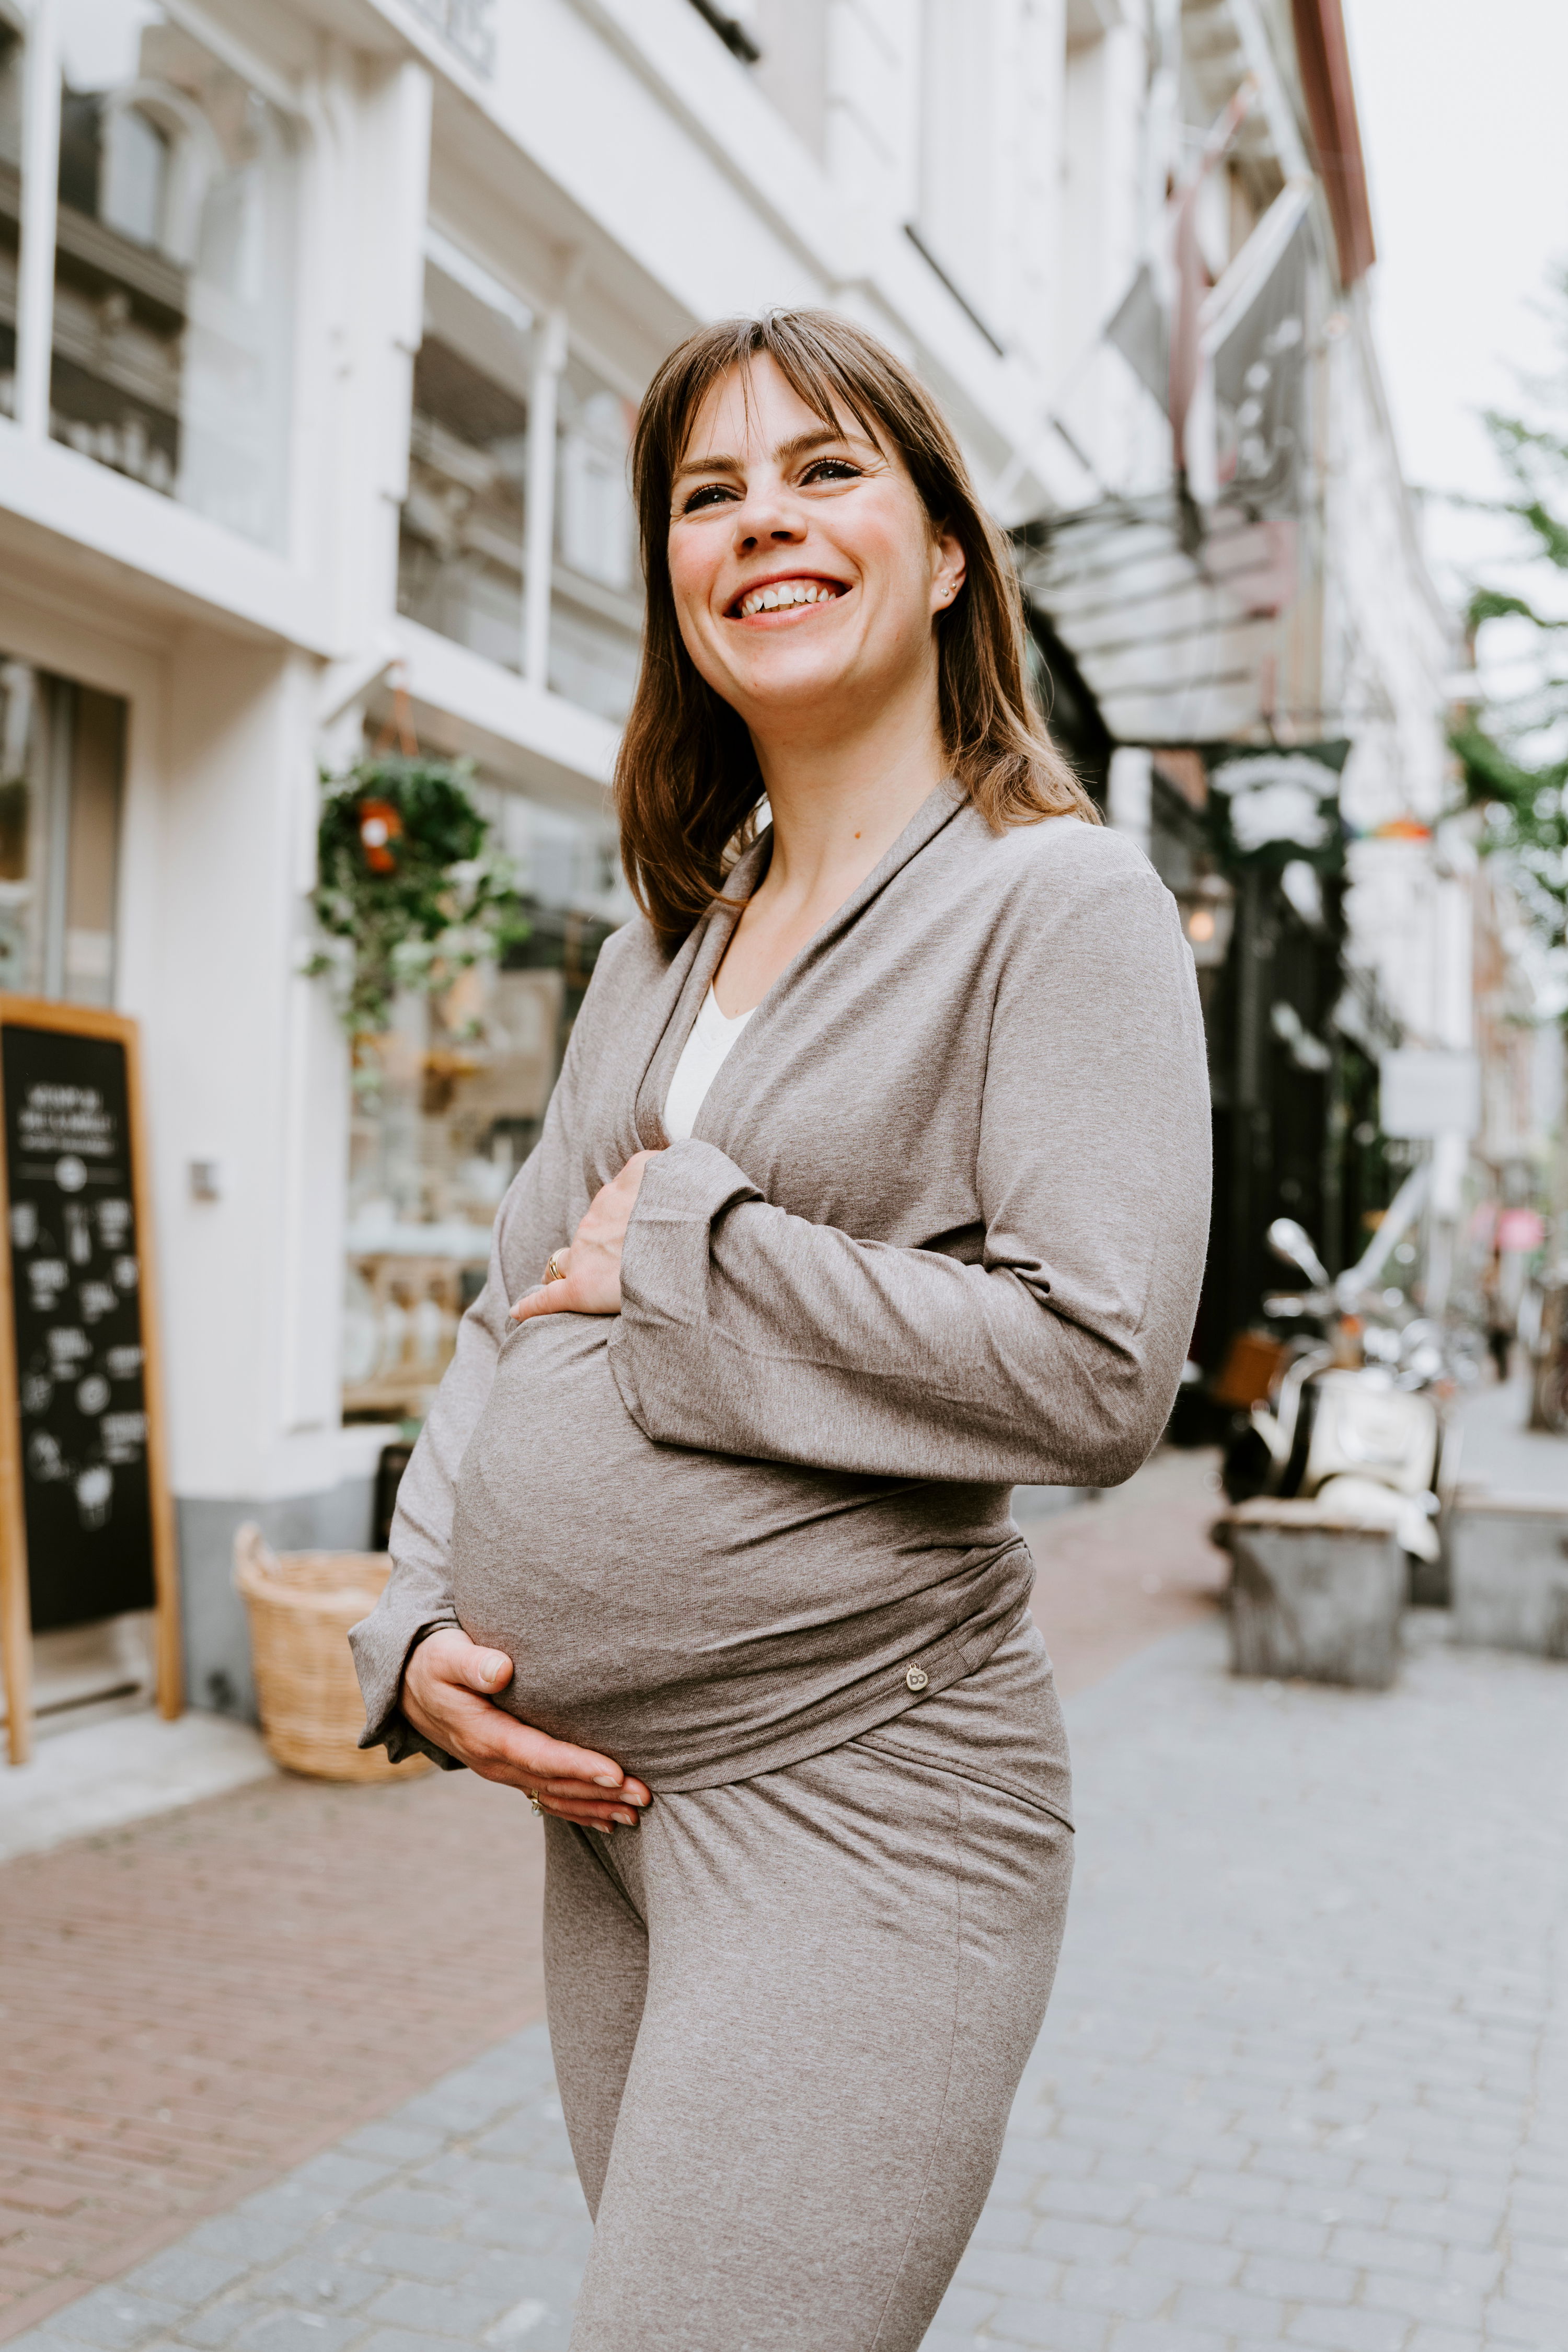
174, 266
464, 548
62, 751
449, 1103
460, 546
596, 603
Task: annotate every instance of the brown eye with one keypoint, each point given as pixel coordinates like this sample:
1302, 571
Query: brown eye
707, 496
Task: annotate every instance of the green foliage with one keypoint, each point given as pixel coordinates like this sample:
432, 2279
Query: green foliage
1514, 752
406, 885
1499, 604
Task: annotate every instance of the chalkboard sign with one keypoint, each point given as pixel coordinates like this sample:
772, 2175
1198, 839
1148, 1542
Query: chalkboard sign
86, 1529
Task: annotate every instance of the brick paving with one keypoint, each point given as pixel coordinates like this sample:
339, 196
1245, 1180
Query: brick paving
1116, 1573
192, 2004
1304, 2082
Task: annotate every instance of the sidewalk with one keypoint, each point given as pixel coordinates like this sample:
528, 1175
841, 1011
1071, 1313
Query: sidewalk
1115, 1574
1304, 2082
199, 2001
121, 1767
1496, 1450
194, 2003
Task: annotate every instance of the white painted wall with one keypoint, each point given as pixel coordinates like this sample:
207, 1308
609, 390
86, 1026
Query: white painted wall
1388, 648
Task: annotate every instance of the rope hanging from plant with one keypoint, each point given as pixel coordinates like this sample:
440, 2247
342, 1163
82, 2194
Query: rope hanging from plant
407, 889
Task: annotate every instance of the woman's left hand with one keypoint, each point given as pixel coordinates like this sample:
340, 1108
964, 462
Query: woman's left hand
589, 1278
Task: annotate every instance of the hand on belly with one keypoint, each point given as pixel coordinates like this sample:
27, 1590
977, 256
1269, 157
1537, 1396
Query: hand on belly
448, 1695
587, 1278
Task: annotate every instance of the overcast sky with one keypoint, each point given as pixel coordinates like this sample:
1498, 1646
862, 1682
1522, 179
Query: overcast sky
1462, 115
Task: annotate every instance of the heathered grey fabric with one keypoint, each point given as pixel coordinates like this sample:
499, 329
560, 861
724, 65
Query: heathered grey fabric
789, 2016
939, 1229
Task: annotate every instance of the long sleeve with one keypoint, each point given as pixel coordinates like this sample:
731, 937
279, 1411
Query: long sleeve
1053, 1359
534, 1218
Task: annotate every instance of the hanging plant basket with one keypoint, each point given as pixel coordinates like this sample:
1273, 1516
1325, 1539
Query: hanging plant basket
410, 894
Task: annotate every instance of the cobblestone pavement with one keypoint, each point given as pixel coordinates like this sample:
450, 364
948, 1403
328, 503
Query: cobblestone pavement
1304, 2082
193, 2003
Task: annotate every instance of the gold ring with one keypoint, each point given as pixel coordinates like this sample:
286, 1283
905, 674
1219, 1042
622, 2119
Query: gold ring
535, 1803
553, 1273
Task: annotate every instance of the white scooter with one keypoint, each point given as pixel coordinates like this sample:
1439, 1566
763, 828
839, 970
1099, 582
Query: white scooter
1357, 1437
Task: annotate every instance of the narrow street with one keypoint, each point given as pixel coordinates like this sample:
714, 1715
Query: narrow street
1301, 2084
873, 688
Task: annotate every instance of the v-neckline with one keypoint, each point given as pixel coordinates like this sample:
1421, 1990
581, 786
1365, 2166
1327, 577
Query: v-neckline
727, 1021
710, 937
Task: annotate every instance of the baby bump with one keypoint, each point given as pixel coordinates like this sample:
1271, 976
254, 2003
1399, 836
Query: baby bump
561, 1548
655, 1596
602, 1563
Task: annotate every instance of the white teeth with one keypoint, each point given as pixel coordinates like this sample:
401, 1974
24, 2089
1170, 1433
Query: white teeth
785, 592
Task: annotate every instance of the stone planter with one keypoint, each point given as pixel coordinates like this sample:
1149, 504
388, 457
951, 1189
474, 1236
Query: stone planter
1509, 1572
1314, 1595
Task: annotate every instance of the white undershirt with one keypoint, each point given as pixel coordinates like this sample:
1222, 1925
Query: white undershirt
713, 1036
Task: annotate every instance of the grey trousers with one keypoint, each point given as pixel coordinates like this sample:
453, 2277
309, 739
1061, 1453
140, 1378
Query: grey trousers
789, 2016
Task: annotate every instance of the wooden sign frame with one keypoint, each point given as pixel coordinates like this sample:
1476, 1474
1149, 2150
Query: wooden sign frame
15, 1607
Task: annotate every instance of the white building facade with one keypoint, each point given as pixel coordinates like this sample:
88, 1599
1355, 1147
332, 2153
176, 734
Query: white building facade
322, 323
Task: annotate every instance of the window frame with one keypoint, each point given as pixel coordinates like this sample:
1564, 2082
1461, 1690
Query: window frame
558, 341
39, 240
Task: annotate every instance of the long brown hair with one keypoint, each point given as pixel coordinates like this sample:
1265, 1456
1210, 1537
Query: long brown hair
686, 778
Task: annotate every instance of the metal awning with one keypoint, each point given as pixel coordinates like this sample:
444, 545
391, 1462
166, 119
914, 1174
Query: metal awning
1177, 648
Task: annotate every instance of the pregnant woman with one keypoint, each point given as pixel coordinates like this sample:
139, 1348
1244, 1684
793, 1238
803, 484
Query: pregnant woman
875, 1181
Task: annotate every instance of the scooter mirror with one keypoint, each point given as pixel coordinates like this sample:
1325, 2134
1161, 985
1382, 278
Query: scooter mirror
1290, 1240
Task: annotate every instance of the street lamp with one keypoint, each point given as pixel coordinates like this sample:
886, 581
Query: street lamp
1208, 916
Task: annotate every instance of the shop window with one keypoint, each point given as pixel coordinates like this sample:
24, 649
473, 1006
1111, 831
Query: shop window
596, 604
62, 755
11, 75
460, 545
449, 1103
174, 267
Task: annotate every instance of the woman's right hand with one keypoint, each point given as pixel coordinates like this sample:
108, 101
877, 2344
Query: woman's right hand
448, 1693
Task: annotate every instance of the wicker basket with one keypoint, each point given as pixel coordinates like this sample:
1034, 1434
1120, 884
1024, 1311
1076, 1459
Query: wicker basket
301, 1604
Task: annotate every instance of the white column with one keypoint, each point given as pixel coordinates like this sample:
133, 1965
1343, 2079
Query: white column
538, 541
372, 199
1132, 793
312, 1162
40, 180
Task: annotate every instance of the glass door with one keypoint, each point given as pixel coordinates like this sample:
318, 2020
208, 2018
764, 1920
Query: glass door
62, 757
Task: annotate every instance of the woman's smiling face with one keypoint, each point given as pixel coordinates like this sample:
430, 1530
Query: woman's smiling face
803, 566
